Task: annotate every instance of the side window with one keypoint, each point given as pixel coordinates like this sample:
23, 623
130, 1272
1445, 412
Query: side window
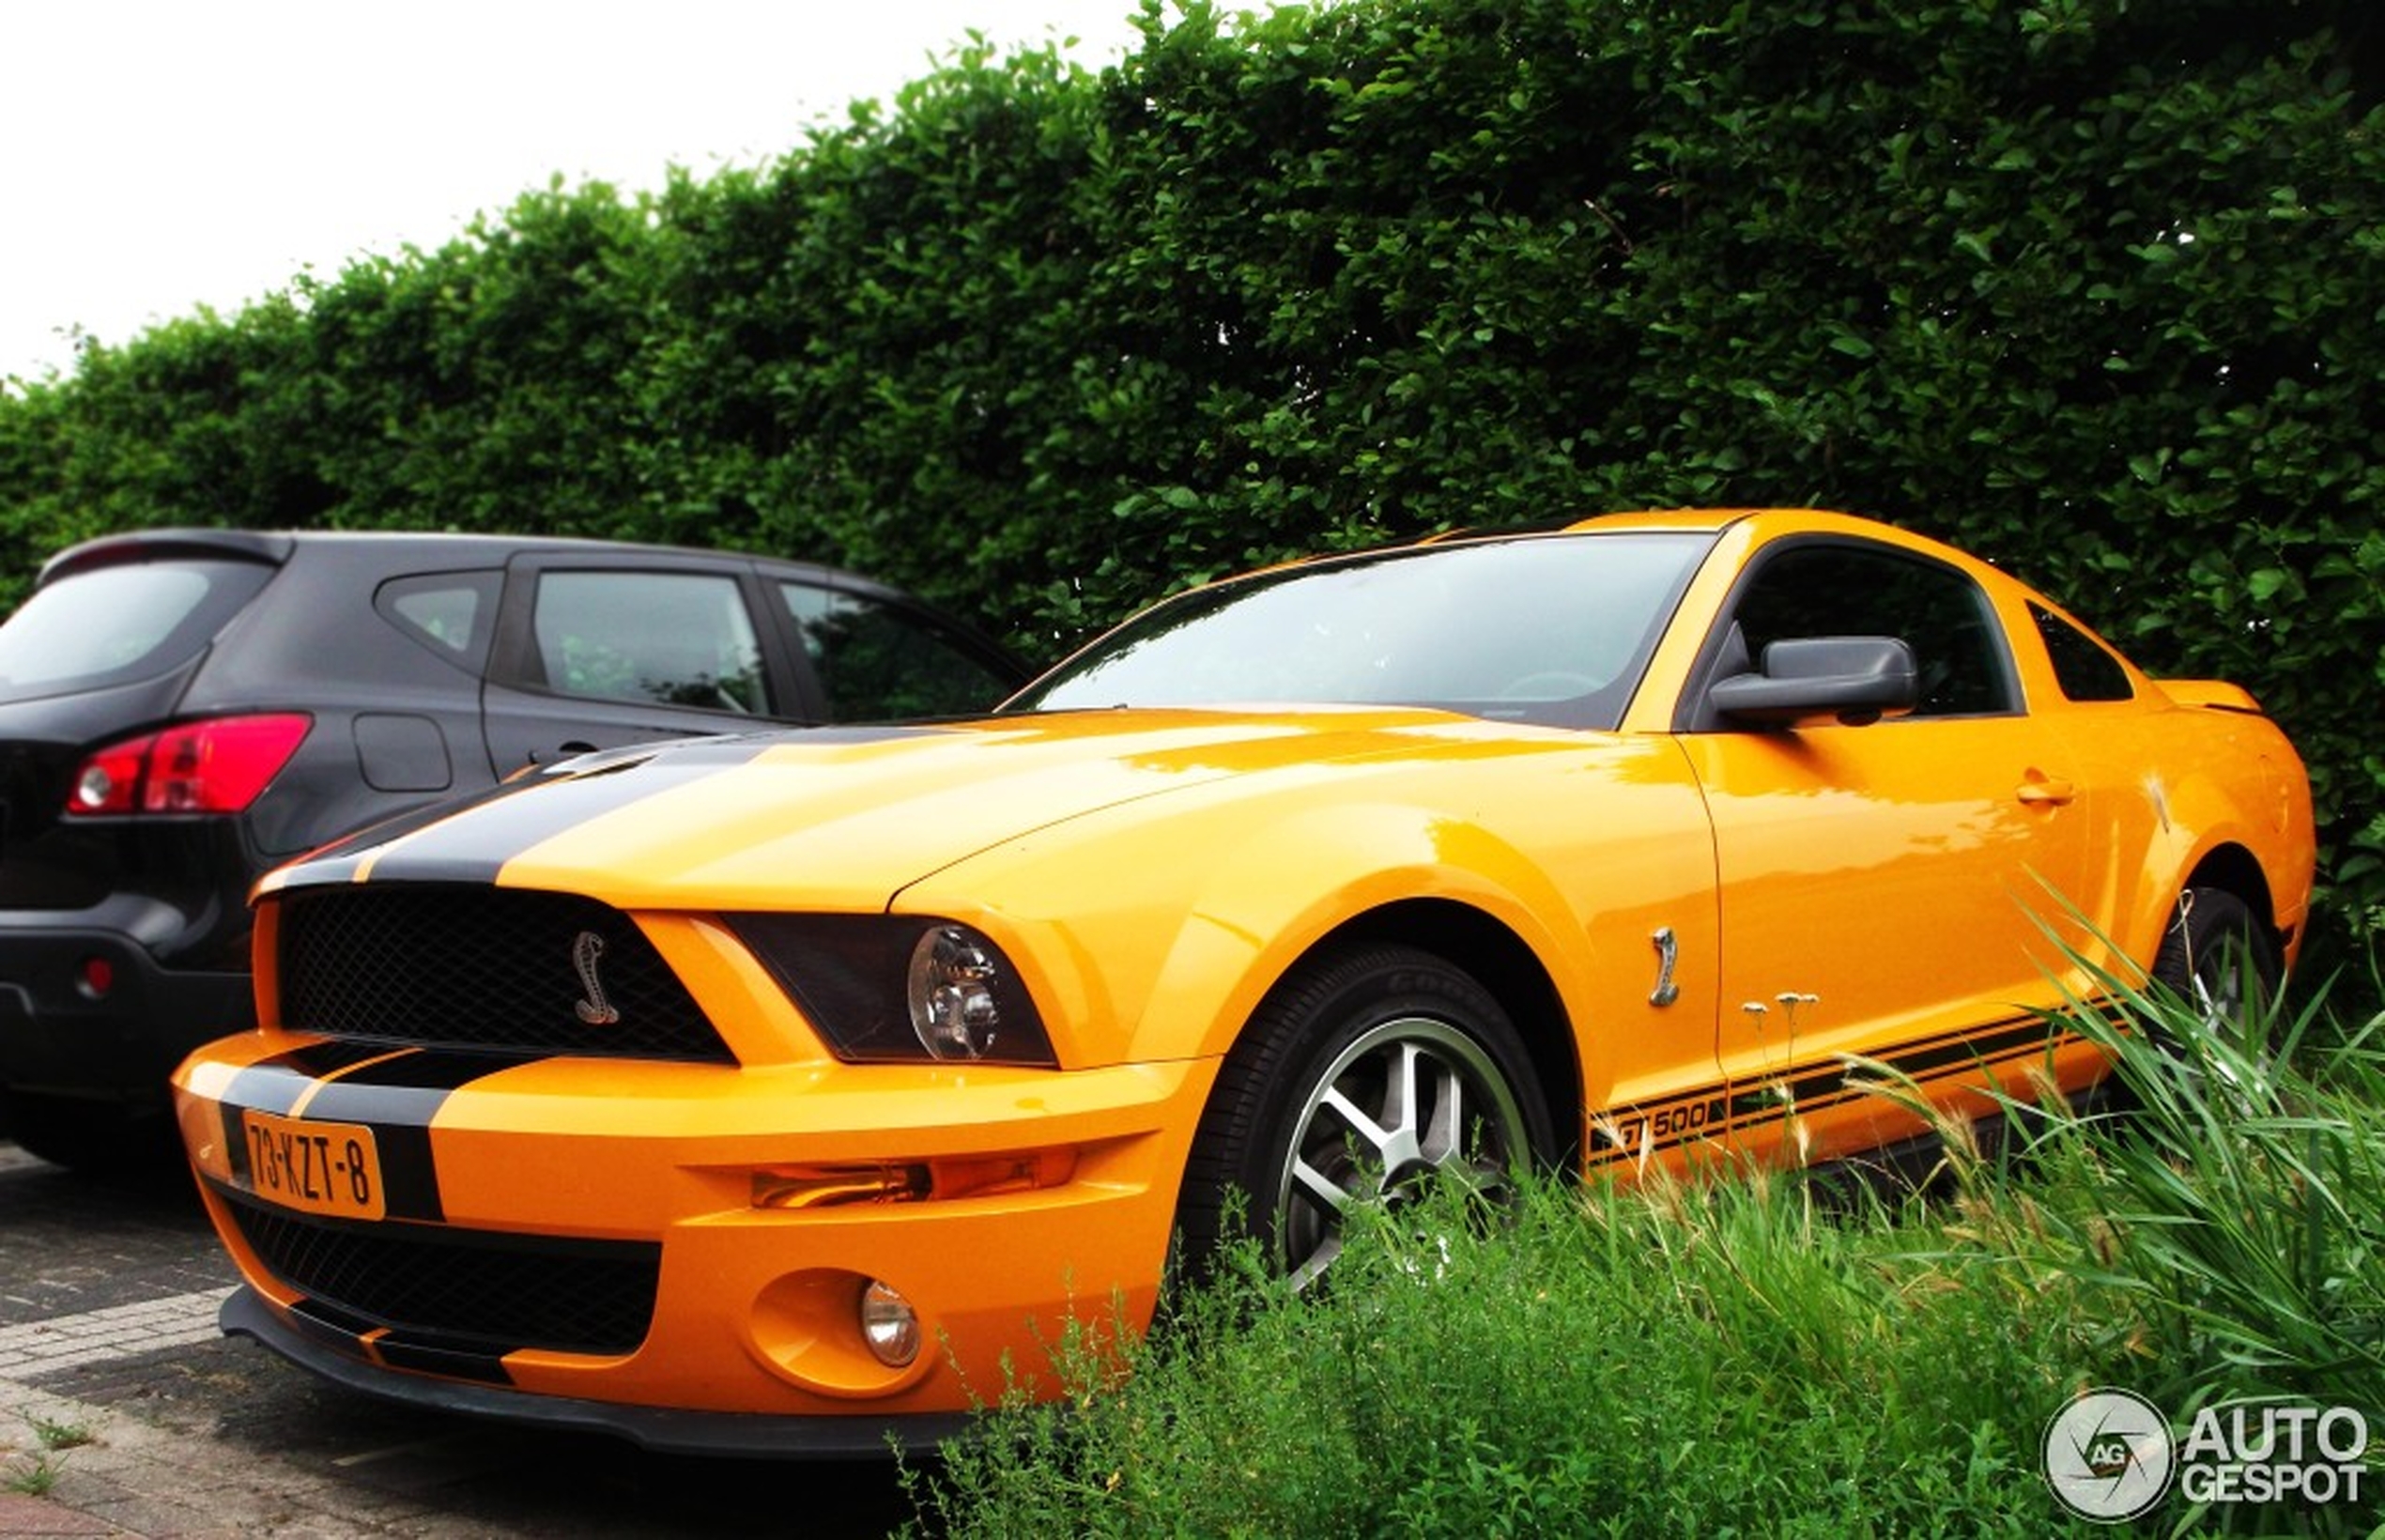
876, 660
2081, 665
675, 638
451, 613
1830, 589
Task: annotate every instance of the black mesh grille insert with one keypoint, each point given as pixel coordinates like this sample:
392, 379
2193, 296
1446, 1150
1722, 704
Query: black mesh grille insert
478, 1288
487, 968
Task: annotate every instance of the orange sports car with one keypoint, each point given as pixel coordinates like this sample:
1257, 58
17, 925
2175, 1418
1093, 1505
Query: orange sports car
774, 1092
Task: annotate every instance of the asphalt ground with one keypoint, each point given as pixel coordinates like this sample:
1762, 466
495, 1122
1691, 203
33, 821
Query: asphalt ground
125, 1412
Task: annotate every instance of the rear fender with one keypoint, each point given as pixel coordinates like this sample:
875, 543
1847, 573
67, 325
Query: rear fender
2258, 825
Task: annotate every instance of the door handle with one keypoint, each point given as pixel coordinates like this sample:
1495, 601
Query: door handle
2039, 791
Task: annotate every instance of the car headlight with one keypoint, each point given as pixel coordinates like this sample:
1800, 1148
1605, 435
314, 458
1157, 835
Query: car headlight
891, 988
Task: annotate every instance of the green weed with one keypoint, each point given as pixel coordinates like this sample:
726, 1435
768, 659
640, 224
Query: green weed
54, 1435
1759, 1355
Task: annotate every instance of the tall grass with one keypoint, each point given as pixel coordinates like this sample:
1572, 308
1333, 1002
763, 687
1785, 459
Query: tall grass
1762, 1356
2239, 1205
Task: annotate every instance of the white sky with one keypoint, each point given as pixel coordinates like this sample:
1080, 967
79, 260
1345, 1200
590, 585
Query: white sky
160, 155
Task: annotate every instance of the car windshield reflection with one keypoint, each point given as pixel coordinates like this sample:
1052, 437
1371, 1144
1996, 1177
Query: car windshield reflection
1552, 629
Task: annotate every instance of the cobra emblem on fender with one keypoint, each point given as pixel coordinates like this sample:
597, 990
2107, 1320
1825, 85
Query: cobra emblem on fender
594, 1010
1668, 954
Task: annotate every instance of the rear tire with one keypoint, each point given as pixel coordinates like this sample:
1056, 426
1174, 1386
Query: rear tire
2220, 961
2218, 957
1370, 1071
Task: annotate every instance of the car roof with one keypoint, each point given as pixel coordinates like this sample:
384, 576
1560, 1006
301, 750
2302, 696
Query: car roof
276, 547
1664, 521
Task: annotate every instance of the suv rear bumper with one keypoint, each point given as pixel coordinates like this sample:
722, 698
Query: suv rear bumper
61, 1035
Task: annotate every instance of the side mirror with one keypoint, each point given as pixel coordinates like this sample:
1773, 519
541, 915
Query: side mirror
1853, 680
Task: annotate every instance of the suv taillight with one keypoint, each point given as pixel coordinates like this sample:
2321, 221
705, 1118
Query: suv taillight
215, 766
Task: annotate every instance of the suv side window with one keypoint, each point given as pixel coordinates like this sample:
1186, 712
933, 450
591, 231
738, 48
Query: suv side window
451, 613
678, 638
1837, 589
876, 659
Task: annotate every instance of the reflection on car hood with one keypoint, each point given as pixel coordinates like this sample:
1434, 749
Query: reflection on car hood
841, 818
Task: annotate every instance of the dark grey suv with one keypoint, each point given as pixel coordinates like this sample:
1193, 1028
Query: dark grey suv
183, 709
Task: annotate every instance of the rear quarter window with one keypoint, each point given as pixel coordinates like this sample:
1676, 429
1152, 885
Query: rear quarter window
115, 624
2081, 665
451, 613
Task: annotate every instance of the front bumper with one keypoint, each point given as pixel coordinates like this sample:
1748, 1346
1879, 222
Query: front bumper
685, 1246
664, 1430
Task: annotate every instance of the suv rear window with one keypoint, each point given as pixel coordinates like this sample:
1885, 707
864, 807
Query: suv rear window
109, 625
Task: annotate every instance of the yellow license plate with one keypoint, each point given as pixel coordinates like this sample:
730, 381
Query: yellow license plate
318, 1168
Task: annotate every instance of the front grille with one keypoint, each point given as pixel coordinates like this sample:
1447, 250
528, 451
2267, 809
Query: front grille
483, 968
484, 1290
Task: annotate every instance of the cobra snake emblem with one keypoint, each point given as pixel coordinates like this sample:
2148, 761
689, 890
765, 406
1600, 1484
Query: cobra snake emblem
1668, 954
594, 1010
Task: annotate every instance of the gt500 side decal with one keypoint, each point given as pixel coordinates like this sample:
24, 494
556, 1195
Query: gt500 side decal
1720, 1110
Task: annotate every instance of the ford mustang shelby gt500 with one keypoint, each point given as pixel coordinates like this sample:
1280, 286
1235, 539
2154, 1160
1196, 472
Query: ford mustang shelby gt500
776, 1091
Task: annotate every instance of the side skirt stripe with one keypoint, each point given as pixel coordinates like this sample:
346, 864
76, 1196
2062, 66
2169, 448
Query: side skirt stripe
1708, 1112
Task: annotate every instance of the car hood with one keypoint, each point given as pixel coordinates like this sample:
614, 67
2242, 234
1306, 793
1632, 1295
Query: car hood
843, 818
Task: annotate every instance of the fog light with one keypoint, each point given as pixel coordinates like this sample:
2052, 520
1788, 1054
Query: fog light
890, 1325
95, 979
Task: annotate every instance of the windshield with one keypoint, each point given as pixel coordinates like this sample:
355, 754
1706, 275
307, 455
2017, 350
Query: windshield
1547, 629
110, 625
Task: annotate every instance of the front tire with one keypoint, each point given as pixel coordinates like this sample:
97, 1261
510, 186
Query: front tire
1370, 1071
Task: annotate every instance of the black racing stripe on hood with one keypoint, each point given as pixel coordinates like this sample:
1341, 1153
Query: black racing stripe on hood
469, 838
476, 841
338, 861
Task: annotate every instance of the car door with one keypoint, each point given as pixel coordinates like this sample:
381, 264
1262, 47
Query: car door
1885, 886
598, 654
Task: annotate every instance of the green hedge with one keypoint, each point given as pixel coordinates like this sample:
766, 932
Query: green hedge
2094, 286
